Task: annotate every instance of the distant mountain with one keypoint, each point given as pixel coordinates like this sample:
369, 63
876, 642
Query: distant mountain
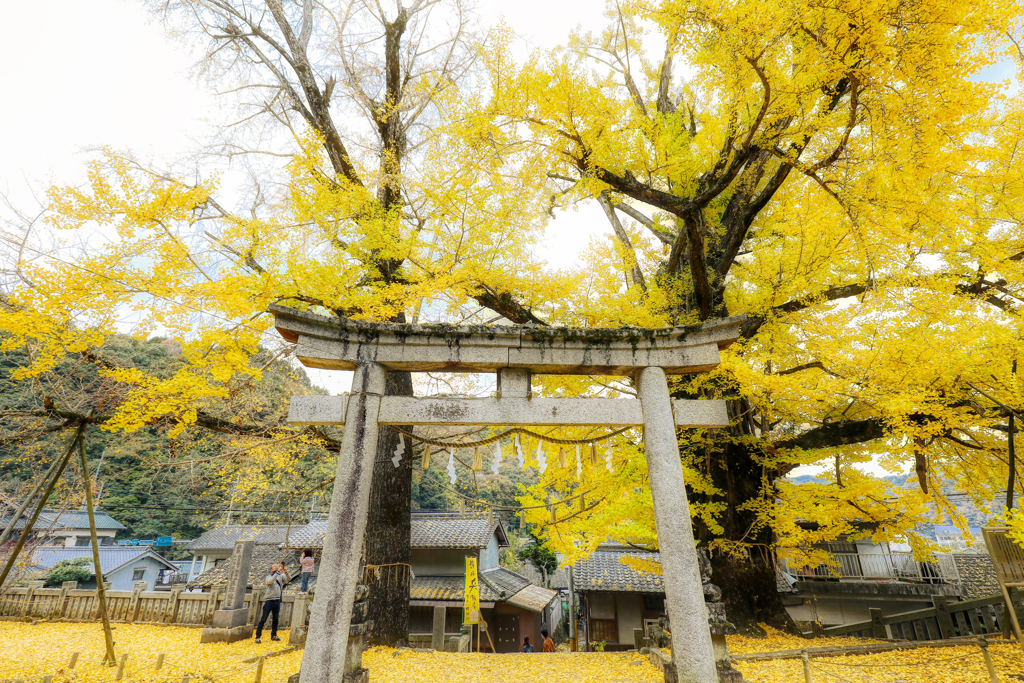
974, 514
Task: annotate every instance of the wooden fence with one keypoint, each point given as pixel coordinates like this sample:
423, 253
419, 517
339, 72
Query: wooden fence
177, 607
981, 616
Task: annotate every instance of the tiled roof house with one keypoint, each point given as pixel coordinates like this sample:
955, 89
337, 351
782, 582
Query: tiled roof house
617, 597
212, 549
70, 528
122, 566
439, 544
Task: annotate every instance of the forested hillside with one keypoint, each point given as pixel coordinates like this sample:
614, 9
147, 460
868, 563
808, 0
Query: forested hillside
158, 483
153, 480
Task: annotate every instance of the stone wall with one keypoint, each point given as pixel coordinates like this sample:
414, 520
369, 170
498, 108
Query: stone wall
977, 575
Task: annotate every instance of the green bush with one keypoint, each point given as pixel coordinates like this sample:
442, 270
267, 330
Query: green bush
69, 570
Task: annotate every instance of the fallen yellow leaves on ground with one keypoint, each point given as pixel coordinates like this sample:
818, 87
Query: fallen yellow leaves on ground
407, 666
927, 665
777, 640
32, 651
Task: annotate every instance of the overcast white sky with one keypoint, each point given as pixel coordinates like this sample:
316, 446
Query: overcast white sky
84, 74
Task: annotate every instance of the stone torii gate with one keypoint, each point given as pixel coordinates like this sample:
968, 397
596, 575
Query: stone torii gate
514, 353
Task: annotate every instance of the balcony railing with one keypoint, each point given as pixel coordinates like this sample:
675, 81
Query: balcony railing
891, 566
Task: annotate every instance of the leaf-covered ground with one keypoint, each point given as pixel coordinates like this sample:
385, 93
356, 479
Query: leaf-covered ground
33, 651
945, 665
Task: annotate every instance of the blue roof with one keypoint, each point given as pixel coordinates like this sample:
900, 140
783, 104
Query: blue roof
68, 519
111, 558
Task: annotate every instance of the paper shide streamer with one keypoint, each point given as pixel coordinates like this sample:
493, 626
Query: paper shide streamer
397, 459
451, 467
497, 457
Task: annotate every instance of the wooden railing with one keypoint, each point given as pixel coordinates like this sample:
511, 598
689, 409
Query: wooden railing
70, 603
981, 616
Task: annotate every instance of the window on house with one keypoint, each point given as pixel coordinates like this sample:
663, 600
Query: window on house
603, 629
654, 603
83, 541
421, 620
139, 574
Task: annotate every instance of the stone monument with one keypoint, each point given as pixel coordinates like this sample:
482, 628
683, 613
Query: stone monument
355, 672
719, 624
230, 621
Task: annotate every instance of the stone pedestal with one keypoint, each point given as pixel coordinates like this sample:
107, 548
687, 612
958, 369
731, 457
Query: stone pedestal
299, 628
226, 635
230, 618
230, 622
355, 672
718, 624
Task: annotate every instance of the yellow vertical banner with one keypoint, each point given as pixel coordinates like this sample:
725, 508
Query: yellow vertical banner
471, 599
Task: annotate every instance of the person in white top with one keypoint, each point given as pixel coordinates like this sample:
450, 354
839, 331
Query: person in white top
307, 568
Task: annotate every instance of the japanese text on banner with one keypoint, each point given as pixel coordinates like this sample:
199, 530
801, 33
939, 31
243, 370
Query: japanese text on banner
471, 601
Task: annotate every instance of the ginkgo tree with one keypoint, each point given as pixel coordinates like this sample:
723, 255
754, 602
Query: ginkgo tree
844, 174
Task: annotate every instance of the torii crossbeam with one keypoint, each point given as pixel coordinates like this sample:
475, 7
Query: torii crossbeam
514, 353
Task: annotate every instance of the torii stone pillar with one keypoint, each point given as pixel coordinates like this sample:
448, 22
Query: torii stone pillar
514, 353
679, 564
327, 640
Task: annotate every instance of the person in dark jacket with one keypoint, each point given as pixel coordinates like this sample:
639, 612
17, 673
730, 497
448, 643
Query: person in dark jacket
526, 644
276, 580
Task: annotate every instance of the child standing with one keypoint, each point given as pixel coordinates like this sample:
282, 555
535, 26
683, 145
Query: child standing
307, 569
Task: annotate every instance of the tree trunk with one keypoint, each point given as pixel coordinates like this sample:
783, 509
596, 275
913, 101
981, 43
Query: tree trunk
748, 581
387, 532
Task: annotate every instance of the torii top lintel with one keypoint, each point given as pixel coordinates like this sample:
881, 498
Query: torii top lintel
343, 343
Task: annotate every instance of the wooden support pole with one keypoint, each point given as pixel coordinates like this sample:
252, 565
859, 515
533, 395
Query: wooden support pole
488, 632
259, 669
73, 660
159, 661
983, 644
101, 590
29, 498
48, 678
120, 667
807, 666
12, 558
